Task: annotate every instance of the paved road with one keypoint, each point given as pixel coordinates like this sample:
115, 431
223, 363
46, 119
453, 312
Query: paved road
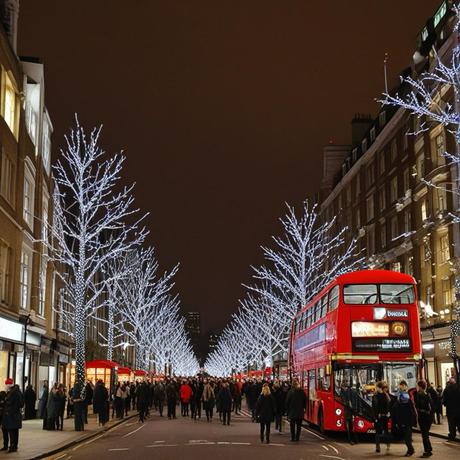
165, 439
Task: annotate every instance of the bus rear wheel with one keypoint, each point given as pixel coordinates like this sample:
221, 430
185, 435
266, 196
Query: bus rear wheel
321, 421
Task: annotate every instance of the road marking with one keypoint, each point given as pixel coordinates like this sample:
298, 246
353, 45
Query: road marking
334, 449
241, 443
134, 431
61, 456
158, 442
325, 447
163, 445
92, 440
223, 442
277, 445
119, 448
331, 456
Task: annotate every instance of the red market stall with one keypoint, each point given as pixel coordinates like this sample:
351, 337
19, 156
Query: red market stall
104, 370
140, 373
124, 374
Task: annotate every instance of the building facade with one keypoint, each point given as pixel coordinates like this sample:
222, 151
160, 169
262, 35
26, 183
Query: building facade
392, 189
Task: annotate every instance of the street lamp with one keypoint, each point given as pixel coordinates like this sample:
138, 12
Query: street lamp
25, 319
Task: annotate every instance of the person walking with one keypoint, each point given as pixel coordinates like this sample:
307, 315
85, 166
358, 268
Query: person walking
237, 391
296, 403
451, 399
101, 402
348, 397
265, 412
405, 416
208, 398
4, 430
43, 400
78, 399
225, 399
88, 401
171, 399
198, 395
251, 398
438, 408
185, 395
30, 398
142, 396
425, 414
160, 396
381, 406
12, 418
433, 394
280, 398
51, 409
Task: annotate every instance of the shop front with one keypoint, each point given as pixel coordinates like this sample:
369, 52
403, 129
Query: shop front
104, 370
124, 374
139, 374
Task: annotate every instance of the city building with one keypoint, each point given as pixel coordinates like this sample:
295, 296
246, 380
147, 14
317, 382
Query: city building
377, 187
27, 278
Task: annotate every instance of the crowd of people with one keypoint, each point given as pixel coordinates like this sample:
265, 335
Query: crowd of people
200, 397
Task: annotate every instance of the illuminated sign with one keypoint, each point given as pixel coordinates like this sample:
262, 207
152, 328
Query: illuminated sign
382, 313
383, 345
370, 329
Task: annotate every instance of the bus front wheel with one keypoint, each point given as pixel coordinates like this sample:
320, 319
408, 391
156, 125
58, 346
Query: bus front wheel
321, 421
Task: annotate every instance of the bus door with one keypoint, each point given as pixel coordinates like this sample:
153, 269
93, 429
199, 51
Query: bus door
311, 393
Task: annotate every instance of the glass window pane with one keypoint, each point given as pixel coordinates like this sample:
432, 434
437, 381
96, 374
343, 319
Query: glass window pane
397, 293
360, 293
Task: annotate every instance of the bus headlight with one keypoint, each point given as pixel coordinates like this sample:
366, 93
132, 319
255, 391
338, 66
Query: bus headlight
399, 328
338, 412
360, 423
339, 423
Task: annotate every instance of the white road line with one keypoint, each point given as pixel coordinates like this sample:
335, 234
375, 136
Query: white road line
325, 447
159, 442
163, 445
119, 448
223, 442
94, 439
132, 432
61, 456
276, 445
241, 443
331, 456
313, 433
334, 449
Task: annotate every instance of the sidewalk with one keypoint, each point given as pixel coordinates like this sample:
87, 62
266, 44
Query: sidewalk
440, 431
35, 443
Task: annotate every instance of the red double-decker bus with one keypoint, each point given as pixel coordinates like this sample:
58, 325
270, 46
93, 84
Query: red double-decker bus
362, 328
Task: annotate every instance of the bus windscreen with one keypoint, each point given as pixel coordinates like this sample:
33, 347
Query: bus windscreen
370, 294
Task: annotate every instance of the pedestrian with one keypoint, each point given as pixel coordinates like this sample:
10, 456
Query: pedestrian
405, 416
70, 411
171, 399
237, 391
30, 398
208, 398
43, 400
12, 418
4, 430
451, 399
438, 408
198, 395
425, 414
225, 399
78, 399
280, 398
132, 392
265, 412
348, 398
251, 398
296, 403
101, 402
128, 398
88, 401
185, 395
381, 406
160, 396
433, 394
142, 397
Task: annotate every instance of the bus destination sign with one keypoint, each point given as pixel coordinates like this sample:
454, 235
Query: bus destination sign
382, 344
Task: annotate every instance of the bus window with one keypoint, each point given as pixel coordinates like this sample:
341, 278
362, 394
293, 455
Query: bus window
394, 373
333, 298
324, 380
323, 307
304, 321
360, 293
309, 315
397, 293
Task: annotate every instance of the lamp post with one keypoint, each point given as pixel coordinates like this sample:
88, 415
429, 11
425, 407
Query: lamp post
25, 319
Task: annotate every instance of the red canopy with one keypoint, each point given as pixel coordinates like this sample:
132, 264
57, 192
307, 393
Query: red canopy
101, 363
139, 373
124, 371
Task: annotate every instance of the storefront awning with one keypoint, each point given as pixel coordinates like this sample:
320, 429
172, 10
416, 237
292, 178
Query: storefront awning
100, 363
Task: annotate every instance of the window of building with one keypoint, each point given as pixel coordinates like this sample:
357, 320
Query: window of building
383, 235
31, 122
46, 147
382, 199
354, 155
7, 179
423, 210
370, 175
407, 221
406, 139
394, 189
370, 242
406, 180
446, 293
348, 194
440, 146
420, 165
357, 186
426, 250
372, 134
381, 163
442, 10
410, 265
441, 199
395, 266
370, 207
29, 201
394, 150
444, 248
42, 288
382, 118
394, 227
364, 145
25, 277
5, 272
45, 217
9, 102
358, 218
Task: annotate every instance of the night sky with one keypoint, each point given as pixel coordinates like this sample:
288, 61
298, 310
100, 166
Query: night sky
222, 108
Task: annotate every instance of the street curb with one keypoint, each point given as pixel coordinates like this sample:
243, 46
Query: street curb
437, 435
85, 438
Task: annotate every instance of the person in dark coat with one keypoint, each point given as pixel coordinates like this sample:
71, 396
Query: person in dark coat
451, 399
78, 398
52, 409
381, 406
405, 416
30, 398
43, 400
4, 430
62, 398
280, 398
251, 398
209, 397
160, 397
438, 408
265, 412
225, 400
101, 402
433, 394
348, 398
425, 414
198, 396
142, 397
88, 399
296, 403
12, 418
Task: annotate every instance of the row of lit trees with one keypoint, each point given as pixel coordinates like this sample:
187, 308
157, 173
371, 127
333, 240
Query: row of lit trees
305, 258
97, 247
